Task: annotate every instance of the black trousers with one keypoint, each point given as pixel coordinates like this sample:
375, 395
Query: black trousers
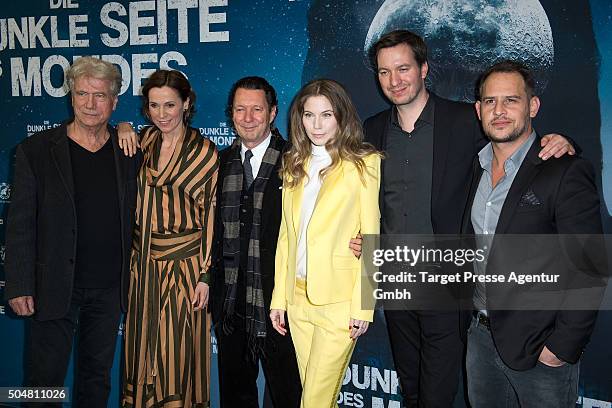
238, 373
94, 316
427, 353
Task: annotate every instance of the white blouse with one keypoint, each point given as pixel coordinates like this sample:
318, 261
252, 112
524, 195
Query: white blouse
319, 160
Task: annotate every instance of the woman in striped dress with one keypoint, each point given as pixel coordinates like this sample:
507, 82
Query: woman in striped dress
167, 328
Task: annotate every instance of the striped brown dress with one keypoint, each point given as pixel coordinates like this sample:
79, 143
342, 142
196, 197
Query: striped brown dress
167, 344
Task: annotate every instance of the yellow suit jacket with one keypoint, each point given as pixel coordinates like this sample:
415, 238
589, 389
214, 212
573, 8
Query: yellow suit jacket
345, 206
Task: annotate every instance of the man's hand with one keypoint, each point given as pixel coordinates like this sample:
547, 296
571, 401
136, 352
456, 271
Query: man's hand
555, 145
548, 358
22, 305
278, 320
357, 328
128, 138
355, 245
200, 296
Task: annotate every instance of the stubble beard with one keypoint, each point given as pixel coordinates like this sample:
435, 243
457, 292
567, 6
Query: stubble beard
513, 136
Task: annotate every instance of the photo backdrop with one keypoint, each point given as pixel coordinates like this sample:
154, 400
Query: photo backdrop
289, 42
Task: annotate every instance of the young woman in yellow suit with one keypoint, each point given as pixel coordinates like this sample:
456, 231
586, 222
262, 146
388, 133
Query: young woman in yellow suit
330, 193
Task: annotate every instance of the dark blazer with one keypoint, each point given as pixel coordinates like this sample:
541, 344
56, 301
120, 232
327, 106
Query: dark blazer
270, 224
457, 139
546, 197
42, 229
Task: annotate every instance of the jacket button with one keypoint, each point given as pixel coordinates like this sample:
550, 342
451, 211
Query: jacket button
71, 261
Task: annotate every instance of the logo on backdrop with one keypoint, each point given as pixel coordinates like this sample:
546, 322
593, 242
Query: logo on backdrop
369, 386
5, 192
213, 342
32, 128
222, 135
120, 26
585, 402
2, 284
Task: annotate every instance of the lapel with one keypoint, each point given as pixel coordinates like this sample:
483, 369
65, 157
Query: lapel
381, 147
120, 162
273, 192
528, 170
329, 182
296, 204
466, 225
441, 133
60, 152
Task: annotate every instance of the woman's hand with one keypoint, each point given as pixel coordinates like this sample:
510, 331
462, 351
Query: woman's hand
128, 138
355, 245
200, 296
278, 320
358, 327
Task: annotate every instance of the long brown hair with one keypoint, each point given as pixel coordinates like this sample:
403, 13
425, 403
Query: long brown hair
346, 145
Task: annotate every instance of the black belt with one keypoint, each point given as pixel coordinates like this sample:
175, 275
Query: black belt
482, 319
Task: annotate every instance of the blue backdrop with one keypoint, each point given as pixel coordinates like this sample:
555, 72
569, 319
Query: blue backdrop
215, 42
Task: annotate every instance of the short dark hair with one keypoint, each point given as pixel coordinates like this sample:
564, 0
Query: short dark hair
253, 83
509, 66
175, 80
412, 40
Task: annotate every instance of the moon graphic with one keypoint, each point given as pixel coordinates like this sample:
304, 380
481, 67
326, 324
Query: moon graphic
465, 37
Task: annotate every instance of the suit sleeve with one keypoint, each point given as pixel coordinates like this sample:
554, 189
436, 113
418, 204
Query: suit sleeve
577, 212
373, 129
370, 225
20, 263
279, 294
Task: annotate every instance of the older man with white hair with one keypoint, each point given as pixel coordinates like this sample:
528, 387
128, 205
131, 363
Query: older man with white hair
69, 235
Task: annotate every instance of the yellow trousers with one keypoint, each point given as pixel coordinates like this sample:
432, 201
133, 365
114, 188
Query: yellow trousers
320, 335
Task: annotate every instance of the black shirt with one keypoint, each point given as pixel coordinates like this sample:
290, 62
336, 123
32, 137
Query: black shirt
408, 167
98, 259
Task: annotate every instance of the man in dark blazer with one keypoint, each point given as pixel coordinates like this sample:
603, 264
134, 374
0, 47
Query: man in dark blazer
69, 236
517, 357
429, 144
246, 231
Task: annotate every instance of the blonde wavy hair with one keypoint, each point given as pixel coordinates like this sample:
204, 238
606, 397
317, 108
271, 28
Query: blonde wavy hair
346, 145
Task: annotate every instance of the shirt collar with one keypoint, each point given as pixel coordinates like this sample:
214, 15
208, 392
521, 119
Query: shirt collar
319, 151
485, 156
259, 150
426, 116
